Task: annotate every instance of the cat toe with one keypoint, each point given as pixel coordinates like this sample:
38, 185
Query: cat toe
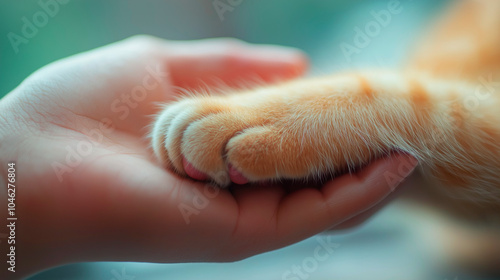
190, 138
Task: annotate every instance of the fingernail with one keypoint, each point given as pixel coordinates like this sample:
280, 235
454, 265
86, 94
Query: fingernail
406, 166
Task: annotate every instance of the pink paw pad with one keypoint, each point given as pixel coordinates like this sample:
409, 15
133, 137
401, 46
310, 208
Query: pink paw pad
192, 172
236, 176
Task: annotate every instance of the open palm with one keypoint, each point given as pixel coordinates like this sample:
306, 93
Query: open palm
88, 188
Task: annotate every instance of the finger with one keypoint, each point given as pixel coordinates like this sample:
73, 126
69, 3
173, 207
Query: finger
258, 205
309, 211
366, 215
123, 83
231, 62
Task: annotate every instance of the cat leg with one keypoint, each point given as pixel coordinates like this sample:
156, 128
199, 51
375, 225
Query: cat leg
326, 125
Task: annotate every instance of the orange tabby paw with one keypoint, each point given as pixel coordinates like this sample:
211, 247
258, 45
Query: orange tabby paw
190, 137
226, 140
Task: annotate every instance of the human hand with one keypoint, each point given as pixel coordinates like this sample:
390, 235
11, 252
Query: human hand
88, 188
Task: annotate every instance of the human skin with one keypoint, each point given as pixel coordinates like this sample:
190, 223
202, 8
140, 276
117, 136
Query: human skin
89, 189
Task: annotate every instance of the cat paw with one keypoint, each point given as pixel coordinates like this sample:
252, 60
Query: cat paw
191, 136
226, 140
211, 138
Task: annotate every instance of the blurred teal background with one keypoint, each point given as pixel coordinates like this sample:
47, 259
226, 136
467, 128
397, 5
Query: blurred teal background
385, 248
316, 26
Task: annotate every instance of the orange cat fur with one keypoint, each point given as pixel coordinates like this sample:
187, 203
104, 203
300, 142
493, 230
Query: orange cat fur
443, 109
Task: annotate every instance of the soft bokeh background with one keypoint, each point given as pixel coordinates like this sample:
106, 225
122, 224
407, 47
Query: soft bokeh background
387, 247
316, 26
